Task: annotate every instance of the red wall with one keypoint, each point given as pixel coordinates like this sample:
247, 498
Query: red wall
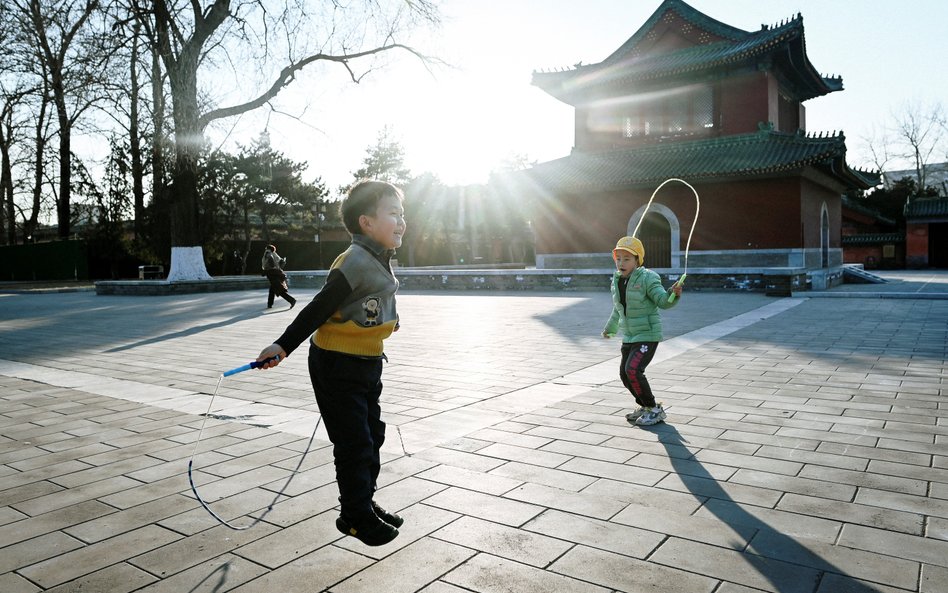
760, 214
871, 256
812, 198
744, 103
916, 245
868, 255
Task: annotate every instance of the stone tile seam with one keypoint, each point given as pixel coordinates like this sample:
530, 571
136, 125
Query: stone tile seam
185, 401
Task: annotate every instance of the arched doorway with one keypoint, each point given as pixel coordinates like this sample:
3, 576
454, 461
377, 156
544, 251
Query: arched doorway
655, 234
824, 238
660, 235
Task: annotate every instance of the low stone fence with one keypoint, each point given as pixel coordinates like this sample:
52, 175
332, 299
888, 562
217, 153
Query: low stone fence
772, 281
163, 287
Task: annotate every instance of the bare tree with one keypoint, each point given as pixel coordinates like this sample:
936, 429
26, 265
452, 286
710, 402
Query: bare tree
13, 124
22, 108
138, 186
16, 94
41, 136
127, 104
8, 100
65, 55
920, 133
189, 36
879, 144
7, 135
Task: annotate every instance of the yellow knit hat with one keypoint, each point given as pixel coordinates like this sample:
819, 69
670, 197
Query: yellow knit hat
633, 246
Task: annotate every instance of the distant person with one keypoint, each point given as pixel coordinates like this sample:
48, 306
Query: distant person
637, 295
272, 265
237, 262
351, 316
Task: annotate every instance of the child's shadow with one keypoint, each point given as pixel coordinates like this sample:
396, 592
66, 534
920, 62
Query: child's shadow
784, 562
220, 584
190, 331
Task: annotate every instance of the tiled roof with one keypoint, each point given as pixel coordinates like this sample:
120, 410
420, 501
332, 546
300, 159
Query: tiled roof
927, 208
855, 206
688, 13
623, 67
873, 239
744, 155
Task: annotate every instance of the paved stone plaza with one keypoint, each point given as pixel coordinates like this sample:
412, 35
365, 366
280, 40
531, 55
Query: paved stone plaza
806, 448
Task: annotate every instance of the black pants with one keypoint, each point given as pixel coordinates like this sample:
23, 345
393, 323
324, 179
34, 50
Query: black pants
278, 287
635, 357
347, 392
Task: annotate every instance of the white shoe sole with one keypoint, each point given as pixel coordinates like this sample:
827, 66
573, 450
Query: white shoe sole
658, 420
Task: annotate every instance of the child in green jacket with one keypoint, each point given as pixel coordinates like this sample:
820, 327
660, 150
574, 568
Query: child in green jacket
637, 295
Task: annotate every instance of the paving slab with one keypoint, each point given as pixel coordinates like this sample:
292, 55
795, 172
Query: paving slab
805, 449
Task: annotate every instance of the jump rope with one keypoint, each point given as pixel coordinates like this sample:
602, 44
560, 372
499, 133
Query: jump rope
256, 365
681, 280
276, 497
253, 365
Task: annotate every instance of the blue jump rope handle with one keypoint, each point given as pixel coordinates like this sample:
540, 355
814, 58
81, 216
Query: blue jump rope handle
673, 296
252, 365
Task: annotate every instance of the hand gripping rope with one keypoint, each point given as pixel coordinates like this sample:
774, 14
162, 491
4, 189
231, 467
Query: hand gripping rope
681, 280
240, 369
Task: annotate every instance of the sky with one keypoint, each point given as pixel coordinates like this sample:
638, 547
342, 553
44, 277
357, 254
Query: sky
461, 122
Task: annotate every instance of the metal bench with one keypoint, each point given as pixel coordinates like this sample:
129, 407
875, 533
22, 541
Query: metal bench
151, 272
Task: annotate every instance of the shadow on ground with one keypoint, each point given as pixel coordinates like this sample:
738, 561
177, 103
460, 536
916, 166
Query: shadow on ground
767, 551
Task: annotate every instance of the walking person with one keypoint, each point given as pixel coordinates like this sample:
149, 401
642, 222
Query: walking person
272, 265
637, 295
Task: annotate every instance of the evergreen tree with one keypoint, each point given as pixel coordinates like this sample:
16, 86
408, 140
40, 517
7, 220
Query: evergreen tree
890, 202
384, 161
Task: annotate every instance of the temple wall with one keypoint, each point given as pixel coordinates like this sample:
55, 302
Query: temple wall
916, 245
756, 214
736, 258
743, 103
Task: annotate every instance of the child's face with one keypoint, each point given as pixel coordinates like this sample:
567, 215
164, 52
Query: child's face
387, 225
626, 263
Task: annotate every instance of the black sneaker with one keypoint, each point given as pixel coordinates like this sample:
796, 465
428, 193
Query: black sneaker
374, 532
390, 518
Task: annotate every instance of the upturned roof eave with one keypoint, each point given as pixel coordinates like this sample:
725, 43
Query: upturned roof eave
685, 11
789, 36
590, 171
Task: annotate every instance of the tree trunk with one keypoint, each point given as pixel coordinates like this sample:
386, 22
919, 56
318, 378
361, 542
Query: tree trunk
7, 213
247, 240
138, 189
63, 210
187, 255
38, 166
158, 123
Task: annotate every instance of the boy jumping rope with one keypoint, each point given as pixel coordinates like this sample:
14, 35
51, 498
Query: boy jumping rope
637, 295
348, 320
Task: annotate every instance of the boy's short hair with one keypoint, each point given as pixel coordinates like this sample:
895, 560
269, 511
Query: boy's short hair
363, 198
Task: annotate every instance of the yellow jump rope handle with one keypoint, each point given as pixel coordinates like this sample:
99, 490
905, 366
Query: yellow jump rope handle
681, 281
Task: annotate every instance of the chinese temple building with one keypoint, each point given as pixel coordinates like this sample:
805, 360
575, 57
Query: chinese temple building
926, 233
693, 98
871, 239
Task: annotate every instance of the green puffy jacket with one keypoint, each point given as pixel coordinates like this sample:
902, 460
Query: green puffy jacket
644, 296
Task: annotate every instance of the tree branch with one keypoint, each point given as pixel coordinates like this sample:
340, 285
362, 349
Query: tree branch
205, 24
288, 73
67, 39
